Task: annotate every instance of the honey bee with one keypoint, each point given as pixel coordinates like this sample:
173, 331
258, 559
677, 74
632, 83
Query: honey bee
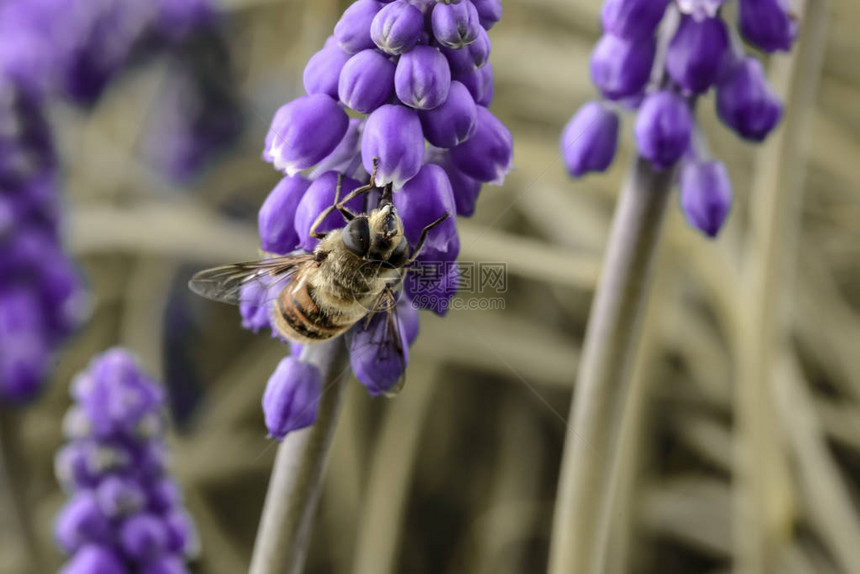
353, 273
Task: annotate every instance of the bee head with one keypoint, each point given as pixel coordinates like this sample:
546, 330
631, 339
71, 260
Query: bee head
378, 236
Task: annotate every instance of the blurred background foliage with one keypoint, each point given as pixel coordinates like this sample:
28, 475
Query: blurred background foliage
458, 474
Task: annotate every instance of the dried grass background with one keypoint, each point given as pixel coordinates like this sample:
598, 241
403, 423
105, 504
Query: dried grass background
458, 474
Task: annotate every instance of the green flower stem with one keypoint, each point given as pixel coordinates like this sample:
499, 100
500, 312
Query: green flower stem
297, 477
602, 386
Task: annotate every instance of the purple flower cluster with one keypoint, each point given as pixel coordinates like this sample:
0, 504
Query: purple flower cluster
76, 47
199, 113
698, 53
73, 49
417, 77
41, 296
125, 514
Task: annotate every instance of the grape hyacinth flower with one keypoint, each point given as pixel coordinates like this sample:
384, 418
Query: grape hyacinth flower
125, 513
41, 295
656, 59
698, 53
416, 80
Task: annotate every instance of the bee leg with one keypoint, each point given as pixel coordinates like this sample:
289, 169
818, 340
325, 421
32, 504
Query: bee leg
373, 173
423, 238
341, 205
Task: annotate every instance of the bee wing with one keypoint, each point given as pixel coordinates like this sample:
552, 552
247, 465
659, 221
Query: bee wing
225, 283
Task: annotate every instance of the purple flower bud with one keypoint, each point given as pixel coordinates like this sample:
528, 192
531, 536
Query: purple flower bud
151, 460
632, 19
292, 397
163, 495
465, 188
663, 128
397, 27
277, 215
455, 25
393, 135
322, 71
377, 366
454, 121
143, 537
746, 103
81, 522
769, 24
353, 29
696, 53
25, 358
303, 132
366, 81
319, 196
422, 78
469, 58
120, 496
343, 156
706, 195
621, 68
95, 559
432, 284
165, 565
480, 84
181, 535
488, 155
73, 467
422, 200
590, 139
489, 11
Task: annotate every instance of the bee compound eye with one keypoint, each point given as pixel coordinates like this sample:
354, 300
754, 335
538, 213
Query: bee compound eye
400, 254
356, 236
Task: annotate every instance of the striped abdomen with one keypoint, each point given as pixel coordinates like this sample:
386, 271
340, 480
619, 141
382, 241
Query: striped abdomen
302, 314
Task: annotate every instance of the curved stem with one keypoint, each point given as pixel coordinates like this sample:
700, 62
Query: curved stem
296, 481
604, 373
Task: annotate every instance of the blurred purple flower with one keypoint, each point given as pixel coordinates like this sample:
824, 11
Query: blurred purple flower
632, 19
620, 68
590, 139
706, 195
696, 53
664, 91
41, 295
664, 128
746, 103
768, 24
120, 515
